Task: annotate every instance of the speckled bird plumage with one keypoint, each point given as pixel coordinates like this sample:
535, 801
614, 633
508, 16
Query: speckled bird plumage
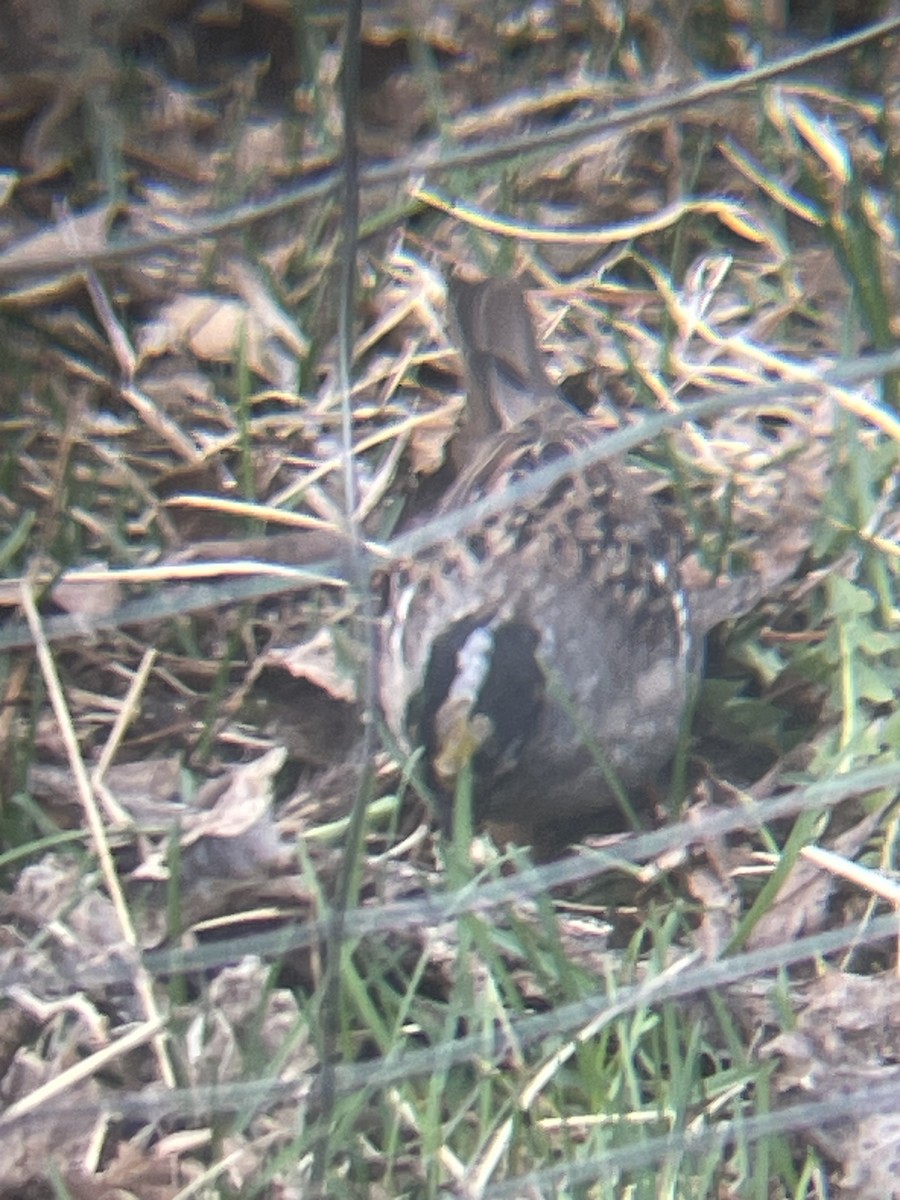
555, 640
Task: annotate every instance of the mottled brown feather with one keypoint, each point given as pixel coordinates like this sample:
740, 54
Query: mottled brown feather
554, 645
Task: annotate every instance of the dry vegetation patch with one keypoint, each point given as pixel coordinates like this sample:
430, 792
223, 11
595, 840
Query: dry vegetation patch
182, 658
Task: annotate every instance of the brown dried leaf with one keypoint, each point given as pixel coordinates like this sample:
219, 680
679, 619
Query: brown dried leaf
257, 295
801, 906
317, 661
220, 1031
149, 790
430, 437
133, 1172
88, 598
214, 328
87, 232
847, 1039
235, 837
239, 799
29, 1150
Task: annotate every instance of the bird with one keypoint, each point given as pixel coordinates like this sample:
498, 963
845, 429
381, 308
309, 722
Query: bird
548, 652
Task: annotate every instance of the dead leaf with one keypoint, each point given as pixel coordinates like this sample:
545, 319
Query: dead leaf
429, 438
240, 999
317, 662
85, 232
94, 598
235, 835
847, 1039
801, 906
218, 329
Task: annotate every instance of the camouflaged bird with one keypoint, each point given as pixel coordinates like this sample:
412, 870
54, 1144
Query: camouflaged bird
552, 647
